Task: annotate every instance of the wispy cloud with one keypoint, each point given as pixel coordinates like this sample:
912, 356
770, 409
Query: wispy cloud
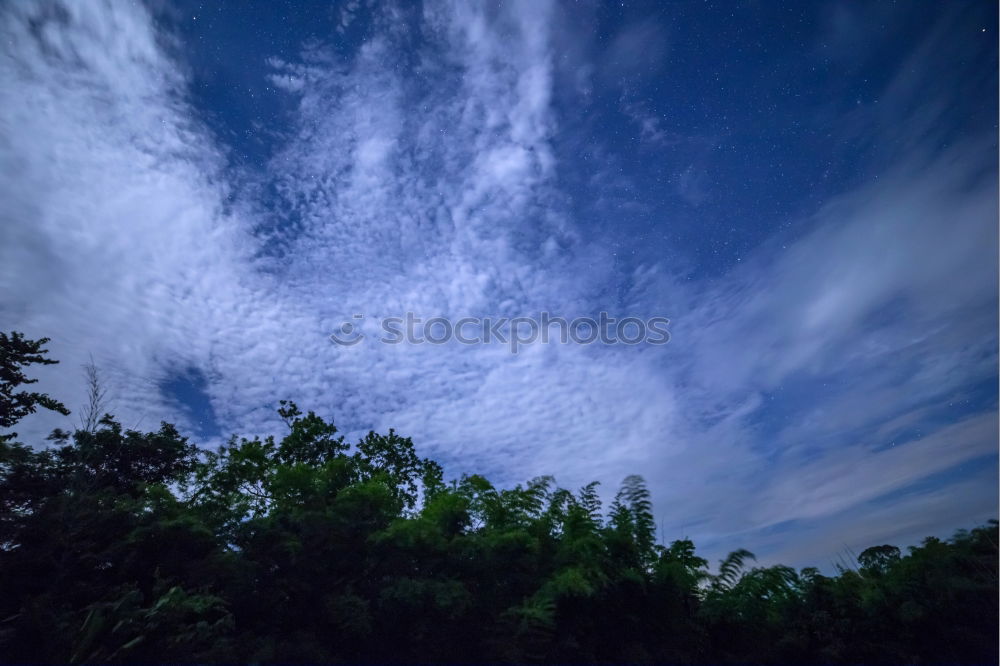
423, 173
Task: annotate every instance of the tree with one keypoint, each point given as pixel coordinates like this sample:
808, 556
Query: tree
97, 398
125, 546
878, 559
16, 353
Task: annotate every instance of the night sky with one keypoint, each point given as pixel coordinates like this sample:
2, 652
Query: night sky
198, 194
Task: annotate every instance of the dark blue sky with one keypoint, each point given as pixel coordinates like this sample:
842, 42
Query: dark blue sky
200, 193
768, 109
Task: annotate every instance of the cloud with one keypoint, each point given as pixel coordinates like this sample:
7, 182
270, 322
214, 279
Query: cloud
114, 237
809, 364
422, 172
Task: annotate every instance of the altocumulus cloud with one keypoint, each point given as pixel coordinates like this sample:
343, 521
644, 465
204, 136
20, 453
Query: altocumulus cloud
422, 173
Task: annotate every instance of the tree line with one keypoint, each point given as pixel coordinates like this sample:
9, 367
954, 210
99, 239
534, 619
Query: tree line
125, 546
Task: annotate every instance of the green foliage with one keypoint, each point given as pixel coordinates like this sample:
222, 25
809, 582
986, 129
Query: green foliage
126, 546
176, 626
878, 560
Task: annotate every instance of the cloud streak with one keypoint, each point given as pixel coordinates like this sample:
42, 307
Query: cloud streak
425, 172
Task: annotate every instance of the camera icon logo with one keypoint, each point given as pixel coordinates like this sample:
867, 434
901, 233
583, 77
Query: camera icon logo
348, 335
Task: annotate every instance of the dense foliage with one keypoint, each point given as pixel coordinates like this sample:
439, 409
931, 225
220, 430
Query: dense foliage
117, 545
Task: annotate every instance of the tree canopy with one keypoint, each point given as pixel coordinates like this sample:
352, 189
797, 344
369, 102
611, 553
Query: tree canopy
125, 546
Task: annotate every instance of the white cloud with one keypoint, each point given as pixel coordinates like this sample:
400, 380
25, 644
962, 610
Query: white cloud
435, 189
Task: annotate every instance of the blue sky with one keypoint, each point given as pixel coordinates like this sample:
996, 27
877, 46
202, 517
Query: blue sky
199, 194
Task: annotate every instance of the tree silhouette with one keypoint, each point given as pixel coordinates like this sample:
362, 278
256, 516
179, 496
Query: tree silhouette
16, 353
125, 546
